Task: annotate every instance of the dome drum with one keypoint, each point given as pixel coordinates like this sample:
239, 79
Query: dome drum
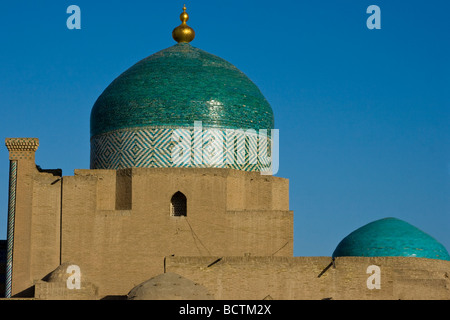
183, 147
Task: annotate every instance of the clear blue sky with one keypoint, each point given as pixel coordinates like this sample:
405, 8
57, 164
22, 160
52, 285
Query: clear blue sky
363, 114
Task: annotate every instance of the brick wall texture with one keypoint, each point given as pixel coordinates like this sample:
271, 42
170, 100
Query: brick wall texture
236, 238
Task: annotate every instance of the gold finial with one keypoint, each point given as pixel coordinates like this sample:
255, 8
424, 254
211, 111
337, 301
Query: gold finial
183, 33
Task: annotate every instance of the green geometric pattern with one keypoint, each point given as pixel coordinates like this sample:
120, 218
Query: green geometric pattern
185, 147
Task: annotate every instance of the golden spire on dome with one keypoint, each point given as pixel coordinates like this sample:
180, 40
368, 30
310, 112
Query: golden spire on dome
183, 33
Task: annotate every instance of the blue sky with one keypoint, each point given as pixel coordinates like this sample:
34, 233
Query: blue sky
363, 114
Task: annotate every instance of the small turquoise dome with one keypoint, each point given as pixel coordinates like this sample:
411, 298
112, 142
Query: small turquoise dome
177, 86
390, 237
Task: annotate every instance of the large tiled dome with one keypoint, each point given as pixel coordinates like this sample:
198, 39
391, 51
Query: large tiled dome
171, 89
177, 86
390, 237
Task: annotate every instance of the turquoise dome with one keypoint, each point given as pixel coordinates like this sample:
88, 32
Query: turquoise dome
181, 98
177, 86
390, 237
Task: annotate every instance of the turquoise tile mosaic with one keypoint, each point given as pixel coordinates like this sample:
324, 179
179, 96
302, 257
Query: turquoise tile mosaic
133, 120
390, 237
177, 86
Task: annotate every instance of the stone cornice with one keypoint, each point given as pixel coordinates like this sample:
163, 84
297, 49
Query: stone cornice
22, 144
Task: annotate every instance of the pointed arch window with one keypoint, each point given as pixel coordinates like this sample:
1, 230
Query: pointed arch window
178, 205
